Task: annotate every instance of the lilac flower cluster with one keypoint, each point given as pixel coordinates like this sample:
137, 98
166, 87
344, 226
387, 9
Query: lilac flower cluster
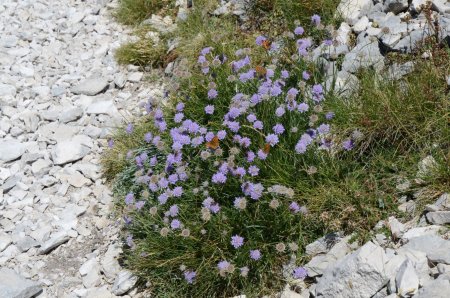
235, 144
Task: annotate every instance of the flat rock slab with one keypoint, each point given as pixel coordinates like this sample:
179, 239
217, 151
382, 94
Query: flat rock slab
91, 86
436, 248
360, 274
12, 285
68, 151
11, 150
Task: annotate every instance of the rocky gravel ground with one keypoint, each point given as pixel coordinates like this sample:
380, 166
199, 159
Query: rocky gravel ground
61, 93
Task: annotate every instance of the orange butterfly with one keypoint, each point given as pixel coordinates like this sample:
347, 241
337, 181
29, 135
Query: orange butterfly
213, 144
267, 44
260, 70
266, 149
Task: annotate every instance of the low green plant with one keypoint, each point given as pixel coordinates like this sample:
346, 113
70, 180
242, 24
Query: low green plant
217, 204
133, 12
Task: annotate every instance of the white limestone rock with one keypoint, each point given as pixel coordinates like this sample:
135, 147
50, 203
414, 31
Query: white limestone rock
353, 10
124, 282
360, 274
15, 286
91, 86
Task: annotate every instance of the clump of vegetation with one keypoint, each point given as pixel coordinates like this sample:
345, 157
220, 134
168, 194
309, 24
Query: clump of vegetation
133, 12
227, 32
251, 160
144, 52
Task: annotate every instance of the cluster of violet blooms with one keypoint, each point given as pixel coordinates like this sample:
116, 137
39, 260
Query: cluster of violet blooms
164, 175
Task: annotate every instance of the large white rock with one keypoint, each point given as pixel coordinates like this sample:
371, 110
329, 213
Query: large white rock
11, 150
436, 248
365, 54
406, 280
12, 285
7, 90
439, 217
360, 274
439, 288
68, 151
124, 282
352, 10
320, 263
90, 86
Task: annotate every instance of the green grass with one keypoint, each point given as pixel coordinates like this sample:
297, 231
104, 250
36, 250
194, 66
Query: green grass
132, 12
225, 32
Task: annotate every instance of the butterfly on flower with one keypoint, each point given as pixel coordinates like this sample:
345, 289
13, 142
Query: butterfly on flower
260, 70
266, 149
266, 44
213, 144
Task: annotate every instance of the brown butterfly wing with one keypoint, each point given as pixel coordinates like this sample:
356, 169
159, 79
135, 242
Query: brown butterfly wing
260, 70
213, 144
267, 44
266, 149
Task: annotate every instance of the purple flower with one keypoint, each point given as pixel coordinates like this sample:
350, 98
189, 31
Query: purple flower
261, 154
255, 254
208, 202
130, 241
299, 273
246, 76
250, 156
129, 128
299, 30
284, 74
177, 191
178, 117
214, 208
175, 224
212, 93
294, 207
127, 220
280, 111
173, 178
245, 142
139, 205
329, 115
328, 42
189, 276
209, 109
201, 59
205, 70
223, 265
315, 19
258, 125
253, 170
205, 51
148, 137
237, 241
306, 75
173, 210
129, 199
233, 126
221, 134
240, 171
179, 107
278, 129
110, 143
302, 107
209, 136
347, 144
323, 129
260, 39
162, 198
219, 178
272, 139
